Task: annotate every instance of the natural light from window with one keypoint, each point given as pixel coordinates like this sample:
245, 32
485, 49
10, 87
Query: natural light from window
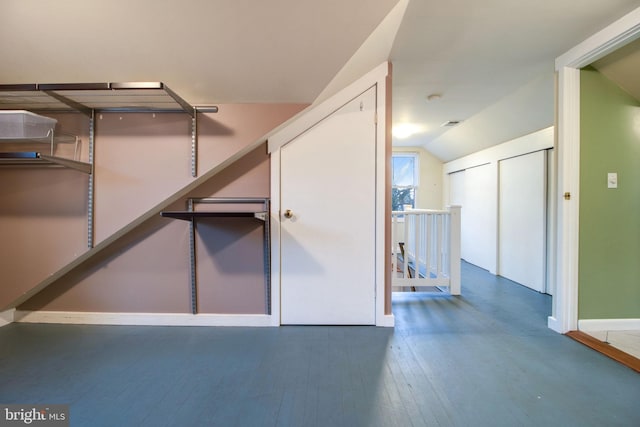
405, 130
404, 181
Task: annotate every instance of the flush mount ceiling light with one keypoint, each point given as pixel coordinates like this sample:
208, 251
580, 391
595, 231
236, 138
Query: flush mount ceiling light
405, 130
434, 97
451, 123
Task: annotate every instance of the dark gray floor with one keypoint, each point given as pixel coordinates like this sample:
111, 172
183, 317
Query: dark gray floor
483, 359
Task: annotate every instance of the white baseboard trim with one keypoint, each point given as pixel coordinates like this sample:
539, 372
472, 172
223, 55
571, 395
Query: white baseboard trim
7, 317
554, 325
386, 321
144, 319
587, 325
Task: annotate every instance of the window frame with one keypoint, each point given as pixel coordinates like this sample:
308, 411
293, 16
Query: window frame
416, 173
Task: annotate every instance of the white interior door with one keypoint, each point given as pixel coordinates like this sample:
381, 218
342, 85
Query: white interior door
522, 220
328, 242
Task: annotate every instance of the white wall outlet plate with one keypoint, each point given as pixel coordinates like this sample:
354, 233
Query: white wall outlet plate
612, 180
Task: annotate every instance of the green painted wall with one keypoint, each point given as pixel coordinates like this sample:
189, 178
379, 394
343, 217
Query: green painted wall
609, 271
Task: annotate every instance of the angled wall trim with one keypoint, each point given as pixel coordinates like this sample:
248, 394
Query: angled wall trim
312, 115
602, 43
135, 224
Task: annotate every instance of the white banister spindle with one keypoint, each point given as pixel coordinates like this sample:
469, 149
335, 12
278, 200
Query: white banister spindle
436, 243
446, 221
431, 249
425, 242
405, 260
394, 246
416, 243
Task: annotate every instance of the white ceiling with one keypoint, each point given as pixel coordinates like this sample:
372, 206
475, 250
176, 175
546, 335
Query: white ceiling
208, 51
476, 54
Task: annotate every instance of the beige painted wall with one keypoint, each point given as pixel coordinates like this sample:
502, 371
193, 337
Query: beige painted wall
142, 159
137, 166
43, 214
430, 188
149, 272
146, 274
231, 277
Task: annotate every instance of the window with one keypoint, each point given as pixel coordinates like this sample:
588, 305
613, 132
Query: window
404, 181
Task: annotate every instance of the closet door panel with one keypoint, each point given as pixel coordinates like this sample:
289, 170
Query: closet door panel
522, 219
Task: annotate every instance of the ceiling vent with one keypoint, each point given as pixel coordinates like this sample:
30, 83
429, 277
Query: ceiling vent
451, 123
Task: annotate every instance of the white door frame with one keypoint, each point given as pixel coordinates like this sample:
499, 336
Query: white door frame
380, 78
327, 176
564, 317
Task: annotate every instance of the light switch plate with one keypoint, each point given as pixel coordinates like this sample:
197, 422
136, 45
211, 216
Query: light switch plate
612, 180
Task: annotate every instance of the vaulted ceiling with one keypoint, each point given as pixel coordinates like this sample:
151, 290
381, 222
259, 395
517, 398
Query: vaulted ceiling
491, 61
473, 54
208, 51
623, 68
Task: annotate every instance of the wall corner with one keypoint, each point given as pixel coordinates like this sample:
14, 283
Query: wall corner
7, 317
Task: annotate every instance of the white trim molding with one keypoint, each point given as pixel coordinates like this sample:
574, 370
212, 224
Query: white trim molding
7, 317
316, 113
592, 325
378, 78
623, 31
565, 299
613, 37
385, 321
275, 237
144, 319
539, 140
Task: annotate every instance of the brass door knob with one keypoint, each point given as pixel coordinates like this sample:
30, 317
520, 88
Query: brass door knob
288, 213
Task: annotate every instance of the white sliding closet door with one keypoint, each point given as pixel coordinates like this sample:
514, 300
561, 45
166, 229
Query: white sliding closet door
478, 217
522, 219
456, 188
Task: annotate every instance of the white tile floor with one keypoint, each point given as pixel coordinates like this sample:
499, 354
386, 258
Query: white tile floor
627, 341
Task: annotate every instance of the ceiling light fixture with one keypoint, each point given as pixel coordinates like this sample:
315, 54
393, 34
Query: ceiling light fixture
434, 97
450, 123
405, 130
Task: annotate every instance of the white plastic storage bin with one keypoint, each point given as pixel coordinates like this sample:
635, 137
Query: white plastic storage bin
17, 124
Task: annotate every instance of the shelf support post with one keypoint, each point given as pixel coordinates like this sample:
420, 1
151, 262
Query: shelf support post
194, 144
90, 196
192, 260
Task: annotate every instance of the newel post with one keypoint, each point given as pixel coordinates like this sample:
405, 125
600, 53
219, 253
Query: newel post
454, 250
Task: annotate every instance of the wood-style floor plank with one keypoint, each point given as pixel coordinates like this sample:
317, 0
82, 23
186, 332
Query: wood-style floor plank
485, 358
606, 349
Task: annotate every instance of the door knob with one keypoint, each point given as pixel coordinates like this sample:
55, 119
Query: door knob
288, 214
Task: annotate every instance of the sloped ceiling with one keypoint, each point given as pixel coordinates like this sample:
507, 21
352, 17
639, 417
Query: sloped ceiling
486, 59
480, 56
208, 51
623, 68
